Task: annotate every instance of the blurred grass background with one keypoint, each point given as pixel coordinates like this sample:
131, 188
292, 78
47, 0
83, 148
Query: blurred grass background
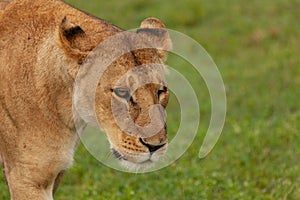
255, 44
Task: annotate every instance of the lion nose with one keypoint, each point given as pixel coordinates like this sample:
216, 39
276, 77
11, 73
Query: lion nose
152, 148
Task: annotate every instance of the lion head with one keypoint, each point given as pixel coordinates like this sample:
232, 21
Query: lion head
121, 87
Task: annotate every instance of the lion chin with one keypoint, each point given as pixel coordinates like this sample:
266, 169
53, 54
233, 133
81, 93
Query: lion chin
138, 162
137, 167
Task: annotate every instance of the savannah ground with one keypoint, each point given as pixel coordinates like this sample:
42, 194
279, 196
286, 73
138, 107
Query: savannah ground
255, 45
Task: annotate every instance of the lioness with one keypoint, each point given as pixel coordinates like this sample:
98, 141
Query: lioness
43, 44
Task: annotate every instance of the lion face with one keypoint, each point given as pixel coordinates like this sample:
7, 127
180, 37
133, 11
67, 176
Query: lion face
130, 104
131, 95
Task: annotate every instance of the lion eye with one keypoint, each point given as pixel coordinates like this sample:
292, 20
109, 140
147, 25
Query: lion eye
122, 93
162, 91
163, 96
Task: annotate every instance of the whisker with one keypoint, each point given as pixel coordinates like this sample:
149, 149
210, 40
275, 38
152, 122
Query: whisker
117, 154
108, 155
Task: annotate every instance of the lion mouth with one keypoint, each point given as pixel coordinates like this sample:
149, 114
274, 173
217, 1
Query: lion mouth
137, 162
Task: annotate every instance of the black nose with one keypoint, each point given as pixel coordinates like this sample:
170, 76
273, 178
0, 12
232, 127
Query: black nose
152, 148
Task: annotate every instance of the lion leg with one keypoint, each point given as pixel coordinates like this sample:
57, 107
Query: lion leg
58, 180
36, 176
24, 185
25, 182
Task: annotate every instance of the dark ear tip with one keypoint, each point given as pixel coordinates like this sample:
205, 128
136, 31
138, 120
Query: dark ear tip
70, 30
64, 20
73, 31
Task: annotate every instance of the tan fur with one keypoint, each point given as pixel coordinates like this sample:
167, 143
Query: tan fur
4, 3
39, 62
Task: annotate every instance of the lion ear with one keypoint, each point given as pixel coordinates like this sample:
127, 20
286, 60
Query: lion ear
157, 34
70, 36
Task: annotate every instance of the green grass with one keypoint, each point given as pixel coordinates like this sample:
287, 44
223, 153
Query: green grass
255, 45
